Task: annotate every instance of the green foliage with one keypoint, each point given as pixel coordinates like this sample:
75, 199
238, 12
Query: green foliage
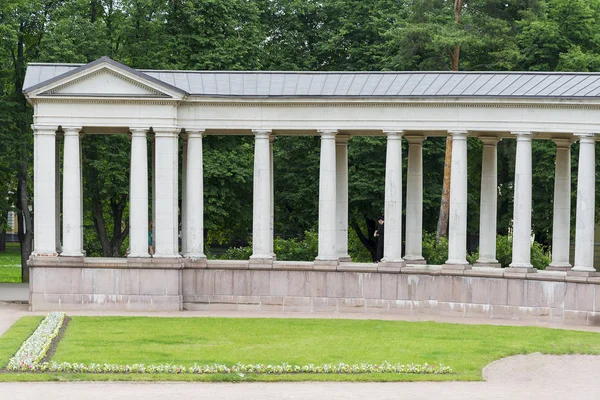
238, 253
544, 35
297, 250
292, 249
436, 253
540, 258
503, 250
228, 174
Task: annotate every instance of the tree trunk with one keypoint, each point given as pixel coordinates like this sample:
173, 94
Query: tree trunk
25, 232
368, 240
442, 226
118, 235
100, 226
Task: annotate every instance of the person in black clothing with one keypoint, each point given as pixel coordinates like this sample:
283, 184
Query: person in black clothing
379, 234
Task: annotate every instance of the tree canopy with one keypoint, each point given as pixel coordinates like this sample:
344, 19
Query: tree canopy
509, 35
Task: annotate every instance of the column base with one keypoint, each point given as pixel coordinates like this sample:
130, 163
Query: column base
487, 264
415, 260
559, 266
583, 272
325, 265
456, 266
193, 255
393, 266
195, 262
136, 256
345, 258
71, 254
520, 270
42, 254
260, 262
166, 255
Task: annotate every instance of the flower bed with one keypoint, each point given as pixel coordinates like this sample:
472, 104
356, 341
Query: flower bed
240, 368
34, 349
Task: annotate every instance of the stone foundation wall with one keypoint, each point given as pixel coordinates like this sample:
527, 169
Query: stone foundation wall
112, 284
154, 284
482, 293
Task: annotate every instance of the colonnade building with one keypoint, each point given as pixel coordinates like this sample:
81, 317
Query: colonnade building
106, 97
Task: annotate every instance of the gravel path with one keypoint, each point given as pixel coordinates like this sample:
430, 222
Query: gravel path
533, 376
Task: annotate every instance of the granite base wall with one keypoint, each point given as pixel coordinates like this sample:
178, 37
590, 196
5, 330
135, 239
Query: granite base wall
551, 299
95, 287
173, 285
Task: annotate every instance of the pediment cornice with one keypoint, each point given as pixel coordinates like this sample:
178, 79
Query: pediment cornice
104, 79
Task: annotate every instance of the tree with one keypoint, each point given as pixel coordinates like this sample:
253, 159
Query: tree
22, 28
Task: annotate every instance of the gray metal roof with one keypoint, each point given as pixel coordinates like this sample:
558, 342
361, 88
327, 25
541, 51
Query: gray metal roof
348, 84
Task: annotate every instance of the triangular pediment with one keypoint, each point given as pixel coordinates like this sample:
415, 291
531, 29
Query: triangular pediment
105, 78
104, 83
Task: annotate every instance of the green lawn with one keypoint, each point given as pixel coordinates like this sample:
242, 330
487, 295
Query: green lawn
10, 263
465, 348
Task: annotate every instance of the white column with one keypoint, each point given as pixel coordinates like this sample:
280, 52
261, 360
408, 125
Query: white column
194, 235
166, 227
272, 234
414, 200
488, 208
586, 197
341, 196
138, 194
327, 198
561, 221
153, 188
521, 246
457, 221
262, 246
81, 192
184, 213
59, 138
392, 239
44, 190
71, 245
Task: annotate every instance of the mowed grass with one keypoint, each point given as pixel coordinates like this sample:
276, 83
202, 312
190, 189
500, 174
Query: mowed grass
465, 348
10, 264
15, 336
129, 340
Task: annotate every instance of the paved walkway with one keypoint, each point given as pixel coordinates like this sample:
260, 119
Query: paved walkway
521, 377
14, 292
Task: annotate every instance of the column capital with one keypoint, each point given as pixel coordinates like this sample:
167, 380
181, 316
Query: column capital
458, 133
415, 139
138, 132
196, 133
71, 130
585, 137
44, 129
523, 135
166, 132
342, 139
393, 134
489, 140
262, 133
327, 133
562, 143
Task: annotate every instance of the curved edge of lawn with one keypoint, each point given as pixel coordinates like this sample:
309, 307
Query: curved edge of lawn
62, 377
